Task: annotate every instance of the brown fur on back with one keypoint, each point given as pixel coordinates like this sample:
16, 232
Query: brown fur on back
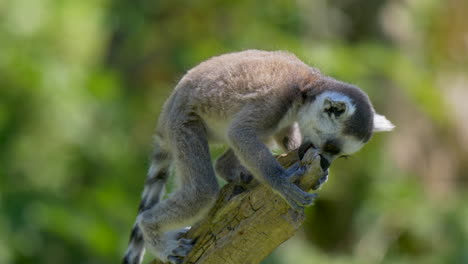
223, 84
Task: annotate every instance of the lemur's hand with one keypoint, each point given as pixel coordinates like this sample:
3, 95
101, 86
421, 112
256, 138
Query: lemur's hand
290, 192
286, 186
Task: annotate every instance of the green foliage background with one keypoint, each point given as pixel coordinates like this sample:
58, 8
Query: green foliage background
82, 83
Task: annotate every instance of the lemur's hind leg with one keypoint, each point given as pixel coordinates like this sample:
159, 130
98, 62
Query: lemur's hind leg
197, 192
229, 168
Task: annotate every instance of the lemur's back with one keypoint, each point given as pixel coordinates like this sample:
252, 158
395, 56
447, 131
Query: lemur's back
223, 83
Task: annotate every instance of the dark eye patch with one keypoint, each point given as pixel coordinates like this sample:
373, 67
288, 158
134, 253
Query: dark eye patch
331, 148
334, 110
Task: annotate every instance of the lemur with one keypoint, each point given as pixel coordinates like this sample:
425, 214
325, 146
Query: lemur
247, 100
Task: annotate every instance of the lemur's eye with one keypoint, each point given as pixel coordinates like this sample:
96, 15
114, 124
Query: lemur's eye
332, 149
334, 110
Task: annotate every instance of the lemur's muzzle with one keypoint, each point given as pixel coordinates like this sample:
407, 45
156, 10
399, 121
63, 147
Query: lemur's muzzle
324, 163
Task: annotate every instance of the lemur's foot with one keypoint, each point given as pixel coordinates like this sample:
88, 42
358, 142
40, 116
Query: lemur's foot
244, 182
176, 247
245, 177
181, 250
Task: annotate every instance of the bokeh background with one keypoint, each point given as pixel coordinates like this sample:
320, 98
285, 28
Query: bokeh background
82, 83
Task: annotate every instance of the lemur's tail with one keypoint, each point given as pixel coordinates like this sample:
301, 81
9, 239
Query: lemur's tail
152, 193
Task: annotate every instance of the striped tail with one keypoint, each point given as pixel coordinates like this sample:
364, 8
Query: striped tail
152, 193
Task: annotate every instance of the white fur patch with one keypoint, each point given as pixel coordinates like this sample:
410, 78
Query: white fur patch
351, 145
315, 123
381, 123
317, 126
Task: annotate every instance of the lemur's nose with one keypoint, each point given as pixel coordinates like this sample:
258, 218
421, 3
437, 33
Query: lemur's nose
324, 163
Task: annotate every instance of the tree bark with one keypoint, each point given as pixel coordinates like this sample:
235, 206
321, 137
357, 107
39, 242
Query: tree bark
247, 224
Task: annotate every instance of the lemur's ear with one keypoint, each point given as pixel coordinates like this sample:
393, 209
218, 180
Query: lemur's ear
381, 123
335, 107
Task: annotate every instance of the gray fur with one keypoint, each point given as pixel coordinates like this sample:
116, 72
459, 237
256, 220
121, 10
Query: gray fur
229, 168
246, 100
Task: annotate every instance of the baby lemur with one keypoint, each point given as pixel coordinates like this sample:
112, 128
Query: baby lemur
247, 100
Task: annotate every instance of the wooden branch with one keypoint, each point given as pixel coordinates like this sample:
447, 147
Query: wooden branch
247, 224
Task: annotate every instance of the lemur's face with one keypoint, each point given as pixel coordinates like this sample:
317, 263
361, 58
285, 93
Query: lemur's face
336, 126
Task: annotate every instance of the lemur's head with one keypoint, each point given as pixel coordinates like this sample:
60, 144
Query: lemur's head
337, 119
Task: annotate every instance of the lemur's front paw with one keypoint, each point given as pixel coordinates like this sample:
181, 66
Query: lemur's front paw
296, 197
245, 177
